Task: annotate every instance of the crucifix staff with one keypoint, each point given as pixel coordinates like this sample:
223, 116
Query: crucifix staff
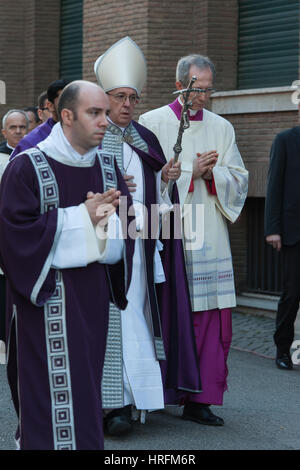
184, 121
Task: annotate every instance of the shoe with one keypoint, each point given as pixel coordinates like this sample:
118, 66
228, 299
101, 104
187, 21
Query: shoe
201, 414
284, 362
118, 422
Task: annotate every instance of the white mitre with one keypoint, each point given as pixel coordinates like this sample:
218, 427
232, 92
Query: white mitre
123, 65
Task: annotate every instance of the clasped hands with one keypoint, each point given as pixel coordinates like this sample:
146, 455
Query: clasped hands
204, 163
202, 167
101, 206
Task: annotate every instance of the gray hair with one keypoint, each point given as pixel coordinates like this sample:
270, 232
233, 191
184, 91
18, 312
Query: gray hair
184, 64
11, 111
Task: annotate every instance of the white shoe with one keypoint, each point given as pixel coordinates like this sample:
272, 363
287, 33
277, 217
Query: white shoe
2, 352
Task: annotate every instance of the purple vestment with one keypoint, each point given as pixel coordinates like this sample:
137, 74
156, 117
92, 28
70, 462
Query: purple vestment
173, 295
30, 140
58, 322
213, 333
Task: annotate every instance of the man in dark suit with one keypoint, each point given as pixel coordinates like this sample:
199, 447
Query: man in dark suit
282, 231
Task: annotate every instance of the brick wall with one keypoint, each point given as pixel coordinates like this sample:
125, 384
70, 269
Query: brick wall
104, 23
176, 29
170, 36
165, 31
254, 135
223, 41
42, 35
29, 50
12, 52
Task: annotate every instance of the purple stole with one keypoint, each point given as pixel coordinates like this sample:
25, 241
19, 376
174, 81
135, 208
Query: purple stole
180, 370
177, 107
149, 249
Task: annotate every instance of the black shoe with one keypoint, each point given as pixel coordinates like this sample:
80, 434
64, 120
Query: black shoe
284, 361
201, 414
118, 422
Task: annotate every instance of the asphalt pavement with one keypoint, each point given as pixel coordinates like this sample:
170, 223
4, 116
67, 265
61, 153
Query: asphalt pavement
261, 407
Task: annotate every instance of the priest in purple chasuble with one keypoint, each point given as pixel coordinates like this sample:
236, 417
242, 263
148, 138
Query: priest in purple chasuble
213, 176
66, 255
42, 131
156, 332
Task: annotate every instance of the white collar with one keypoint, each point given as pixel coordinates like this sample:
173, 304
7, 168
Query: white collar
122, 128
57, 146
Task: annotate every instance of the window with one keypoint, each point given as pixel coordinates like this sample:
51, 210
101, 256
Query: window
268, 46
71, 39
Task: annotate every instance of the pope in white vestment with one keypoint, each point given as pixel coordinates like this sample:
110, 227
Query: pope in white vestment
132, 374
221, 192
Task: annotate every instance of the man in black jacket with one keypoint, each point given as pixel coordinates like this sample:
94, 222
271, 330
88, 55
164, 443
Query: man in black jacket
282, 231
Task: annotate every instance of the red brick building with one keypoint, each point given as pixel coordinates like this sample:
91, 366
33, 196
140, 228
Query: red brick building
253, 43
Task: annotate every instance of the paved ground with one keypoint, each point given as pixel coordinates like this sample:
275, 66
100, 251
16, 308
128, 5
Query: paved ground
261, 412
261, 409
254, 334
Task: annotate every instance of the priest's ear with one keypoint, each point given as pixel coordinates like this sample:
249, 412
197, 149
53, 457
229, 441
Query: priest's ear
67, 116
179, 85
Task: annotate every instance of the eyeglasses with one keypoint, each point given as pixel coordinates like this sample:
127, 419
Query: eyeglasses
121, 98
44, 109
204, 90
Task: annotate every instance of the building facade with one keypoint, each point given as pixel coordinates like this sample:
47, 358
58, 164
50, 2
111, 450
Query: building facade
253, 43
